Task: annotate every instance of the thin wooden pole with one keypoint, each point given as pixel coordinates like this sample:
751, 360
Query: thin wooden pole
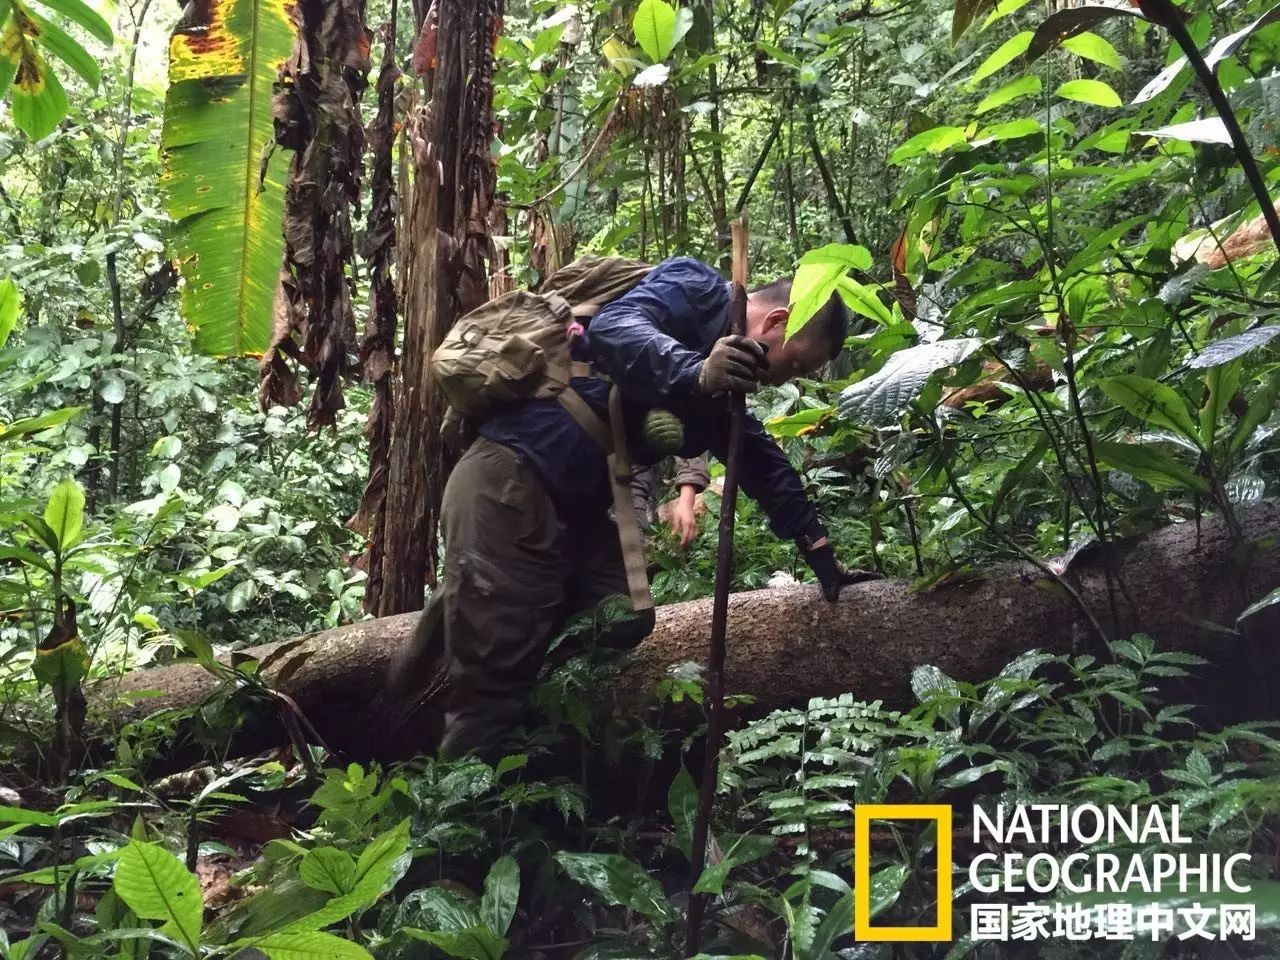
720, 604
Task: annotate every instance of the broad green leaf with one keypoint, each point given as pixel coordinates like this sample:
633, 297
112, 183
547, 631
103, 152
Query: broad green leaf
1222, 381
1151, 402
682, 804
933, 140
25, 816
655, 28
10, 303
744, 850
546, 41
1013, 90
65, 513
79, 12
308, 945
883, 397
156, 886
328, 869
1094, 92
619, 881
217, 124
379, 866
473, 943
1004, 54
862, 299
56, 40
1150, 466
1093, 47
501, 894
816, 279
30, 425
37, 100
1009, 130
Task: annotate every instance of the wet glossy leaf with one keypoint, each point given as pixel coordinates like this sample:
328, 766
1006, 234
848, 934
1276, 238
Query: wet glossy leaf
1228, 349
882, 398
619, 881
1151, 402
1150, 466
501, 894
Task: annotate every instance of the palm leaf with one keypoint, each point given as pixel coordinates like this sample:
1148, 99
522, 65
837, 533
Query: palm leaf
217, 125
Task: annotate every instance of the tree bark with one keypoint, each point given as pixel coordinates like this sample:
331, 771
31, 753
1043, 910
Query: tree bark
788, 645
447, 267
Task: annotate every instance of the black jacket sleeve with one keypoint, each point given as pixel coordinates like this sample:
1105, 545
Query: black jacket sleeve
768, 477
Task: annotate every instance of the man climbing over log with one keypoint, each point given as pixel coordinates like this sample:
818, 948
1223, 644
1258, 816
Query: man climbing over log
529, 541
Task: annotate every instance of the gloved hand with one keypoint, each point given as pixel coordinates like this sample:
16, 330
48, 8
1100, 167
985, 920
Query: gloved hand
735, 363
831, 573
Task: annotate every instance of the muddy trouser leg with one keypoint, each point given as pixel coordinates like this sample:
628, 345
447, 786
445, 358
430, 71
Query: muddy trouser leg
503, 593
597, 573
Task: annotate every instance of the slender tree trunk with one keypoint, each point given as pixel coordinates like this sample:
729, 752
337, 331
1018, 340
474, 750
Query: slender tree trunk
447, 275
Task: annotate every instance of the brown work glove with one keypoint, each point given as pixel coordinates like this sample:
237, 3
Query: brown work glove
735, 363
831, 573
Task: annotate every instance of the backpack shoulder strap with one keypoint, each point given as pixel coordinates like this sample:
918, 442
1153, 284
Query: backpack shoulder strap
612, 438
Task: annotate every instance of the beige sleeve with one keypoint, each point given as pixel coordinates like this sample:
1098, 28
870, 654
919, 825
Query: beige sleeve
692, 473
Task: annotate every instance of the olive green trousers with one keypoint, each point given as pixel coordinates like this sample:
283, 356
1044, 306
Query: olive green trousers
515, 573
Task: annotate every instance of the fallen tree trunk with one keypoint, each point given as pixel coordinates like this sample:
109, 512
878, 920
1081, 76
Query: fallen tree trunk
787, 645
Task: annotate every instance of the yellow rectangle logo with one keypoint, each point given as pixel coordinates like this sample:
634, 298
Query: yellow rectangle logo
863, 814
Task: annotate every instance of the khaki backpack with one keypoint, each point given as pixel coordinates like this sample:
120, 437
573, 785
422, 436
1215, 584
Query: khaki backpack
517, 347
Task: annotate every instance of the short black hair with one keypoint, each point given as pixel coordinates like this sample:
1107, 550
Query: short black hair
827, 328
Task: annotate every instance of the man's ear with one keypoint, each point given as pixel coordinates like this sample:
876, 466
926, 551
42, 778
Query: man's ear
775, 317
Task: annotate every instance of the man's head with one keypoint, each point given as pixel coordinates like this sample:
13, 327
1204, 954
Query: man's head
818, 341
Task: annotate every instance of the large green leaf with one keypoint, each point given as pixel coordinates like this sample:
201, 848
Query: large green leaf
473, 943
65, 513
1093, 92
655, 27
882, 397
1151, 402
157, 887
501, 893
38, 101
1151, 466
619, 881
817, 277
10, 302
217, 124
1003, 55
310, 945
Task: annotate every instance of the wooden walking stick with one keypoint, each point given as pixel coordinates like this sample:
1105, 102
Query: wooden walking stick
720, 605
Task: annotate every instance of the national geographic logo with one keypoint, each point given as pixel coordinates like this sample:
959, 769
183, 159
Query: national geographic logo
1073, 884
863, 815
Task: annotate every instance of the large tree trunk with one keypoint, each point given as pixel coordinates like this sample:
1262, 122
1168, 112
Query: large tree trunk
787, 645
447, 275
